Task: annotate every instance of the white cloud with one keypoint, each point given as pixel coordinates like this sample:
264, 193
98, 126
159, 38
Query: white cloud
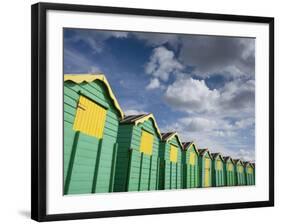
162, 64
246, 155
133, 112
153, 84
236, 98
158, 39
192, 95
193, 124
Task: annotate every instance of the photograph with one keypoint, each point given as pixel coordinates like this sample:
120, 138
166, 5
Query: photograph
151, 111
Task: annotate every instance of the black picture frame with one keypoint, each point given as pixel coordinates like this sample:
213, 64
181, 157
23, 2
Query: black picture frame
39, 122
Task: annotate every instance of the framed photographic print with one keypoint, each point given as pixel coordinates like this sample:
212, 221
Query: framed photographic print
131, 106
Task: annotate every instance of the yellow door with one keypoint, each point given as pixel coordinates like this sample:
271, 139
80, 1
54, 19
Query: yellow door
207, 173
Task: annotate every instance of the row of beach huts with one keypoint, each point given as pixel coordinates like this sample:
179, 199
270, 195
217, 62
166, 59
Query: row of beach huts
106, 151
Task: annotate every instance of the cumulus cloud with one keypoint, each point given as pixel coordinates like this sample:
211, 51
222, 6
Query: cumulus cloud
246, 155
134, 112
158, 39
198, 124
228, 56
153, 84
162, 64
191, 95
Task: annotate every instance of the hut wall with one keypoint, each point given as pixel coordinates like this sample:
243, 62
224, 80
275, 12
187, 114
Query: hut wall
250, 179
192, 170
89, 162
218, 173
240, 174
204, 172
141, 170
171, 175
229, 170
124, 138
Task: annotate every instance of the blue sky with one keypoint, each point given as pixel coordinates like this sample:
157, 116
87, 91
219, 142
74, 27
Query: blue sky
203, 87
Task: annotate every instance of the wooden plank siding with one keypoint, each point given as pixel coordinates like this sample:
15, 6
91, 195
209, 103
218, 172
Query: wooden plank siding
191, 168
203, 174
218, 176
229, 170
89, 162
171, 173
136, 171
240, 174
250, 175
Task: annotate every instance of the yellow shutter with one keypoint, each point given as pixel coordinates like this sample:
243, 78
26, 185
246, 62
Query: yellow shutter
207, 172
90, 118
219, 165
240, 169
207, 177
207, 163
229, 167
146, 145
192, 158
250, 170
173, 154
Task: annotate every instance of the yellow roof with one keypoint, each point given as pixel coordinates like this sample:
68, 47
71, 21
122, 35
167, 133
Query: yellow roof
79, 78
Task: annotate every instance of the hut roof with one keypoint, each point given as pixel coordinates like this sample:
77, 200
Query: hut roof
140, 118
215, 155
202, 152
237, 161
248, 164
186, 145
80, 78
226, 158
169, 135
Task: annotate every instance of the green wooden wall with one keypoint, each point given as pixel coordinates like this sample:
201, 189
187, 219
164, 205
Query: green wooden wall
171, 174
250, 177
202, 172
136, 171
218, 176
230, 179
89, 163
240, 176
191, 171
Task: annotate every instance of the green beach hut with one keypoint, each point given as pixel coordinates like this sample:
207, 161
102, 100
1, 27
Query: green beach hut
191, 165
250, 173
137, 166
240, 172
91, 120
229, 169
205, 168
171, 168
218, 177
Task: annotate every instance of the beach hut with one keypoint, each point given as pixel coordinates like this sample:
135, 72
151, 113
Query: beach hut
229, 169
250, 173
218, 177
205, 168
91, 120
137, 166
191, 167
171, 168
240, 172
